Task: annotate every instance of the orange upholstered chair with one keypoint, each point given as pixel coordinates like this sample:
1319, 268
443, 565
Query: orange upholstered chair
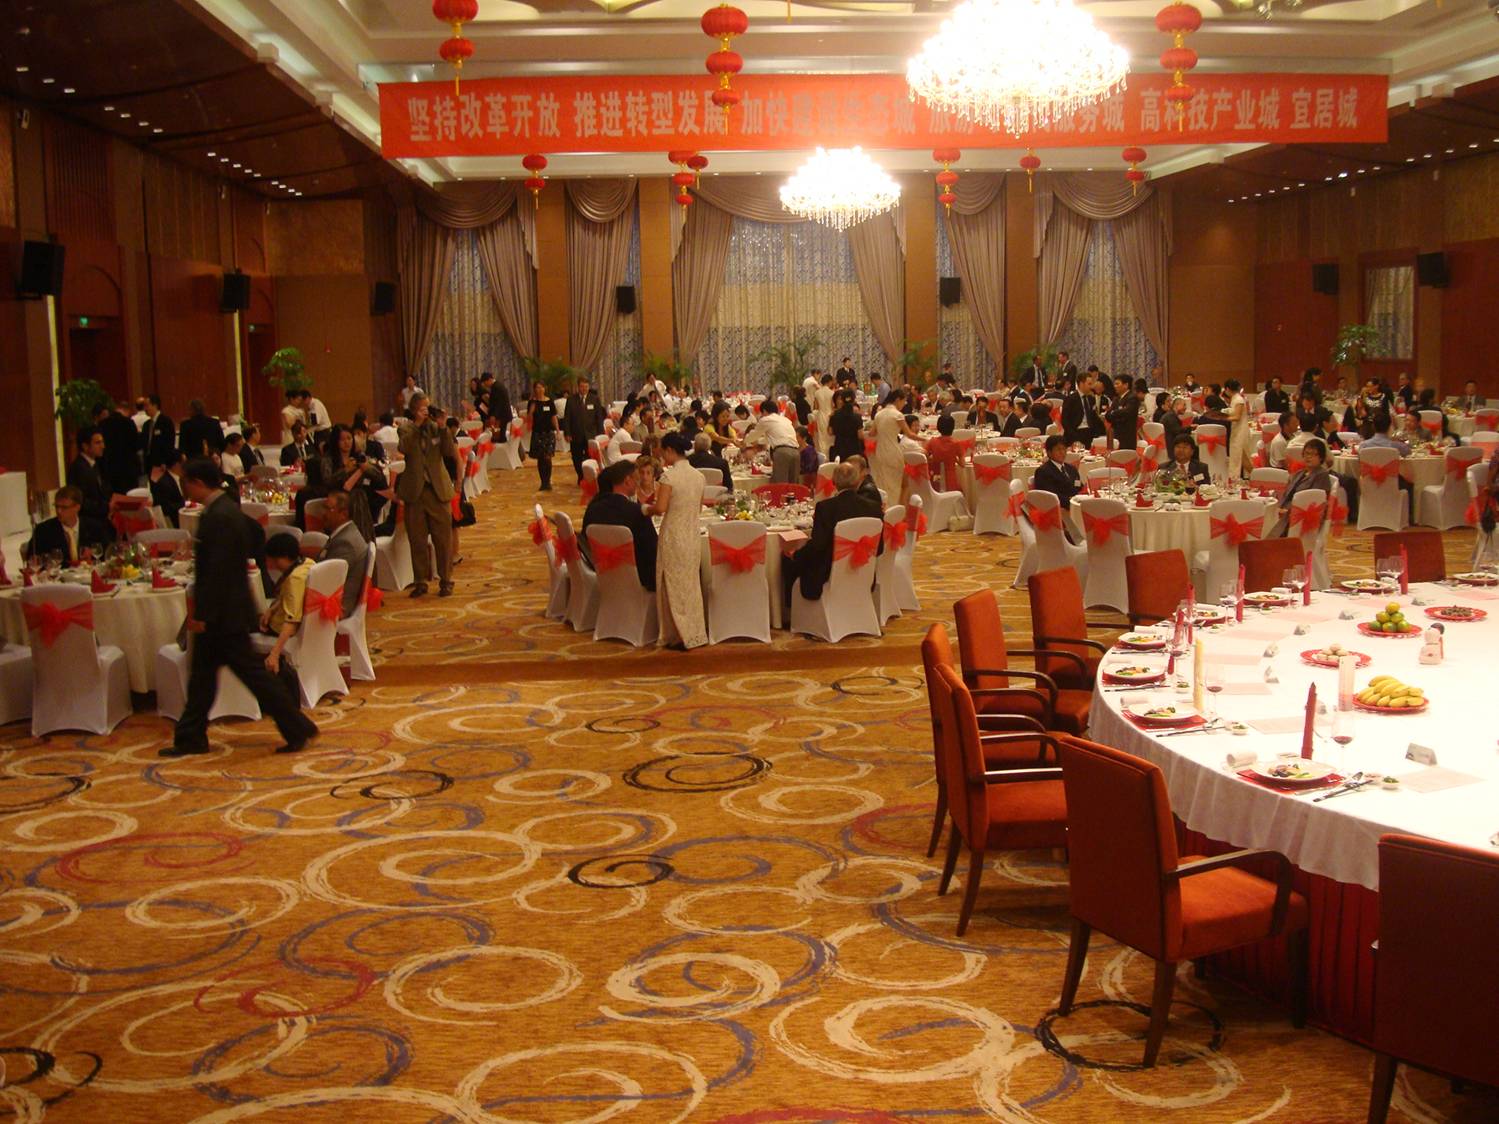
1436, 965
1059, 629
987, 671
1127, 881
999, 810
1423, 548
1265, 561
1158, 582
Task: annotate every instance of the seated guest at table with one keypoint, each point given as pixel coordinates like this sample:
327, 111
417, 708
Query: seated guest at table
283, 616
1214, 407
1174, 421
87, 474
1184, 464
363, 445
720, 428
1055, 475
230, 461
70, 531
807, 458
813, 563
387, 432
1381, 439
647, 472
703, 456
1277, 401
980, 416
616, 506
866, 486
1006, 421
1040, 415
945, 453
777, 433
1328, 426
1308, 412
1289, 427
249, 454
345, 541
300, 449
166, 487
1162, 407
1314, 475
1428, 401
1470, 400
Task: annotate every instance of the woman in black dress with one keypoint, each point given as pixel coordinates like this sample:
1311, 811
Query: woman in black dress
543, 414
847, 427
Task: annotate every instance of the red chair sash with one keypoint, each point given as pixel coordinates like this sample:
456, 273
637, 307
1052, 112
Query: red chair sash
1434, 426
1308, 517
919, 470
329, 606
156, 550
372, 596
920, 523
967, 444
589, 487
517, 428
1211, 441
740, 559
1148, 466
895, 535
1457, 468
1158, 442
857, 551
131, 520
1044, 518
540, 530
1294, 466
1379, 473
990, 473
1100, 530
52, 621
1337, 513
825, 486
567, 549
606, 558
1017, 505
314, 521
1235, 531
473, 467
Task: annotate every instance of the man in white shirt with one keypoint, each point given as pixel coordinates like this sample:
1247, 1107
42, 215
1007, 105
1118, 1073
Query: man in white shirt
810, 383
140, 417
410, 391
293, 412
881, 388
625, 432
1282, 440
387, 434
318, 418
776, 431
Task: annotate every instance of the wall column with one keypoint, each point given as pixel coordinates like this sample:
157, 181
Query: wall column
552, 319
656, 308
31, 219
919, 195
1022, 310
1432, 225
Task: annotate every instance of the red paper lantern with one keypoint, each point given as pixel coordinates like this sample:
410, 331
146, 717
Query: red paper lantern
457, 50
534, 186
1178, 58
725, 63
535, 162
1134, 156
1136, 177
697, 162
947, 199
684, 198
1030, 162
726, 99
1178, 20
947, 179
680, 156
946, 156
683, 180
724, 23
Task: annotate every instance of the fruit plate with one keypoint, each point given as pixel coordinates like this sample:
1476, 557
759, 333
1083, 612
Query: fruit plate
1476, 578
1317, 658
1366, 585
1457, 613
1266, 599
1370, 708
1134, 673
1142, 641
1373, 630
1165, 714
1291, 771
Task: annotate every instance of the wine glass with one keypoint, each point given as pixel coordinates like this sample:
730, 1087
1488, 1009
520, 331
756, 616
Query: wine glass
1294, 579
1388, 569
1228, 594
1212, 682
1342, 736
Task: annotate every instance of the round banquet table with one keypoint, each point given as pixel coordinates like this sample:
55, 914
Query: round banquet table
1462, 425
1334, 845
1421, 470
1154, 528
133, 619
188, 519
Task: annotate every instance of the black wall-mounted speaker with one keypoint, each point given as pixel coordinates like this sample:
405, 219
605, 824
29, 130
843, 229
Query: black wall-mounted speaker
235, 296
624, 299
1325, 279
950, 290
1431, 269
383, 303
41, 269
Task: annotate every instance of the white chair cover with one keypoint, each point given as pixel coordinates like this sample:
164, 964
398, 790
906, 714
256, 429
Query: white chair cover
1107, 548
1027, 535
163, 540
264, 472
1219, 563
1445, 505
1431, 423
991, 497
1380, 505
77, 684
1052, 550
1026, 432
1127, 459
1212, 450
739, 602
712, 477
896, 533
846, 607
582, 582
173, 664
626, 609
940, 506
1154, 435
393, 558
15, 683
507, 450
1100, 478
905, 560
351, 629
556, 608
1312, 532
312, 650
712, 493
1269, 480
312, 543
1485, 441
481, 477
257, 511
1485, 544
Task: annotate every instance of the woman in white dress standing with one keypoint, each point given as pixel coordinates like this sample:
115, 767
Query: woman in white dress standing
1240, 445
679, 591
822, 413
889, 464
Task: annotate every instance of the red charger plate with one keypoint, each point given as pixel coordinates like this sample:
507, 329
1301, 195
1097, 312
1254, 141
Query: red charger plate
1309, 656
1369, 630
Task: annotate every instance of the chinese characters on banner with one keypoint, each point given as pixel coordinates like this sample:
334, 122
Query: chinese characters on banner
514, 116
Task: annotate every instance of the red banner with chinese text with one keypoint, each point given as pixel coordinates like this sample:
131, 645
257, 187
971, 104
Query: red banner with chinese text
514, 116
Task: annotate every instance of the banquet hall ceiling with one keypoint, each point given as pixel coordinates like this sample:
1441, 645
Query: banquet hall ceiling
288, 89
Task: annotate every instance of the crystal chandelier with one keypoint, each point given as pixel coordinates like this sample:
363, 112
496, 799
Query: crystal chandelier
1016, 65
839, 188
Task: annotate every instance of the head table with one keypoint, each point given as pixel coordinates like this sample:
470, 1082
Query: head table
1334, 843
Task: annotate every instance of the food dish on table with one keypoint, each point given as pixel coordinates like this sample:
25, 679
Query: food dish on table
1477, 577
1329, 656
1292, 771
1142, 641
1134, 673
1459, 613
1386, 694
1266, 597
1164, 714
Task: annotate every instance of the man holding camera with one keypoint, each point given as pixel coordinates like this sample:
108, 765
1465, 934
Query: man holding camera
426, 489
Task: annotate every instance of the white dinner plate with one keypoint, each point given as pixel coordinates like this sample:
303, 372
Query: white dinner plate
1299, 771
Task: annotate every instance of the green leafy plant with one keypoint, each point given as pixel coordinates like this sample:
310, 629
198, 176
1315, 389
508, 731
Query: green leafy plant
1355, 343
917, 365
286, 371
1022, 363
668, 369
788, 363
78, 400
554, 374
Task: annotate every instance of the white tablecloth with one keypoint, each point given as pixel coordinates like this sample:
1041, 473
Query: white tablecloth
188, 520
15, 516
1420, 470
136, 620
1463, 426
1186, 529
1337, 839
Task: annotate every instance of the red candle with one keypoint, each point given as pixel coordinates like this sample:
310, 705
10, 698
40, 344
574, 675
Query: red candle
1311, 719
1405, 571
1239, 596
1306, 590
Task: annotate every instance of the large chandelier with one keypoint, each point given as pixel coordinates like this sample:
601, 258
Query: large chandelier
1016, 65
839, 188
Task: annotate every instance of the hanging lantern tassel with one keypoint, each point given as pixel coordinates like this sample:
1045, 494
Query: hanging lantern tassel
1134, 156
457, 50
724, 23
1178, 20
1030, 162
535, 163
697, 162
684, 197
947, 179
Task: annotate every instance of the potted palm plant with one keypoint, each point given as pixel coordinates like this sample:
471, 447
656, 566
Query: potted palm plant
788, 363
1355, 343
286, 371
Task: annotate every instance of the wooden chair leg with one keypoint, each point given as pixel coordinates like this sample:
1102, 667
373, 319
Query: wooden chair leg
954, 841
971, 890
938, 820
1296, 956
1382, 1087
1160, 1009
1077, 956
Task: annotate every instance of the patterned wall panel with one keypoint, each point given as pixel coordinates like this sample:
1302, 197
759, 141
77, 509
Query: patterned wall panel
470, 338
182, 212
1326, 214
80, 195
1388, 213
1471, 187
1280, 230
7, 166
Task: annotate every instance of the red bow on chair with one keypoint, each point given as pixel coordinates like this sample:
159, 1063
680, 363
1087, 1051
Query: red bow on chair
1148, 467
1235, 531
920, 524
1337, 513
825, 486
567, 549
329, 606
918, 471
740, 559
1457, 468
1379, 473
895, 535
968, 443
464, 452
1158, 442
606, 558
589, 487
1017, 505
858, 551
1210, 441
129, 521
989, 473
52, 621
517, 428
162, 549
1258, 460
1294, 466
1056, 415
1100, 529
540, 530
1309, 517
1044, 518
372, 596
1434, 426
1129, 463
473, 468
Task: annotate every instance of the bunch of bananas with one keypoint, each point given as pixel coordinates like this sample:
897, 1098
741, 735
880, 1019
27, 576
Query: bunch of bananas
1389, 692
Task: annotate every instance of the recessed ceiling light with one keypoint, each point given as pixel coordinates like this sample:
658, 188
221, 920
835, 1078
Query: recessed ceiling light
1425, 156
1301, 185
213, 154
23, 70
109, 109
69, 90
1256, 194
1473, 145
1450, 151
223, 159
144, 124
1410, 159
1360, 171
236, 165
157, 129
48, 81
1327, 179
1342, 175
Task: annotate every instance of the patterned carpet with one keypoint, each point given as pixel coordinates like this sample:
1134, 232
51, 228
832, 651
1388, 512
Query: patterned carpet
527, 877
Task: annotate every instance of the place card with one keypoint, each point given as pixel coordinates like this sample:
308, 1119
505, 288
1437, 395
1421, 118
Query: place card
1421, 754
1435, 779
1291, 724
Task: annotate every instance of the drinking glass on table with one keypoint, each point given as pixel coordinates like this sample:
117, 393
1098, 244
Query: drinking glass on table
1388, 569
1212, 682
1228, 594
1294, 579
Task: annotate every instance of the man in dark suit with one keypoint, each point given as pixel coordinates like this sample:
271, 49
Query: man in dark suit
1066, 368
1124, 419
300, 450
1006, 420
158, 436
344, 541
223, 616
582, 421
69, 531
166, 487
703, 456
201, 434
615, 506
1184, 464
87, 475
1055, 475
867, 487
122, 458
813, 563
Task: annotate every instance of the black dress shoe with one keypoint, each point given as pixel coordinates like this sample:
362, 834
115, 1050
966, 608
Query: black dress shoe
419, 589
445, 589
182, 751
292, 747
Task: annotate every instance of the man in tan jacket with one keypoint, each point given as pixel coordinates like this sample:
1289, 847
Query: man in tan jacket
426, 490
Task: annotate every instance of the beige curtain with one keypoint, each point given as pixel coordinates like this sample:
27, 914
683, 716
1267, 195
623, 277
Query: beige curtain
697, 275
1141, 239
600, 220
1102, 196
881, 271
469, 206
424, 252
976, 232
1063, 257
512, 280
